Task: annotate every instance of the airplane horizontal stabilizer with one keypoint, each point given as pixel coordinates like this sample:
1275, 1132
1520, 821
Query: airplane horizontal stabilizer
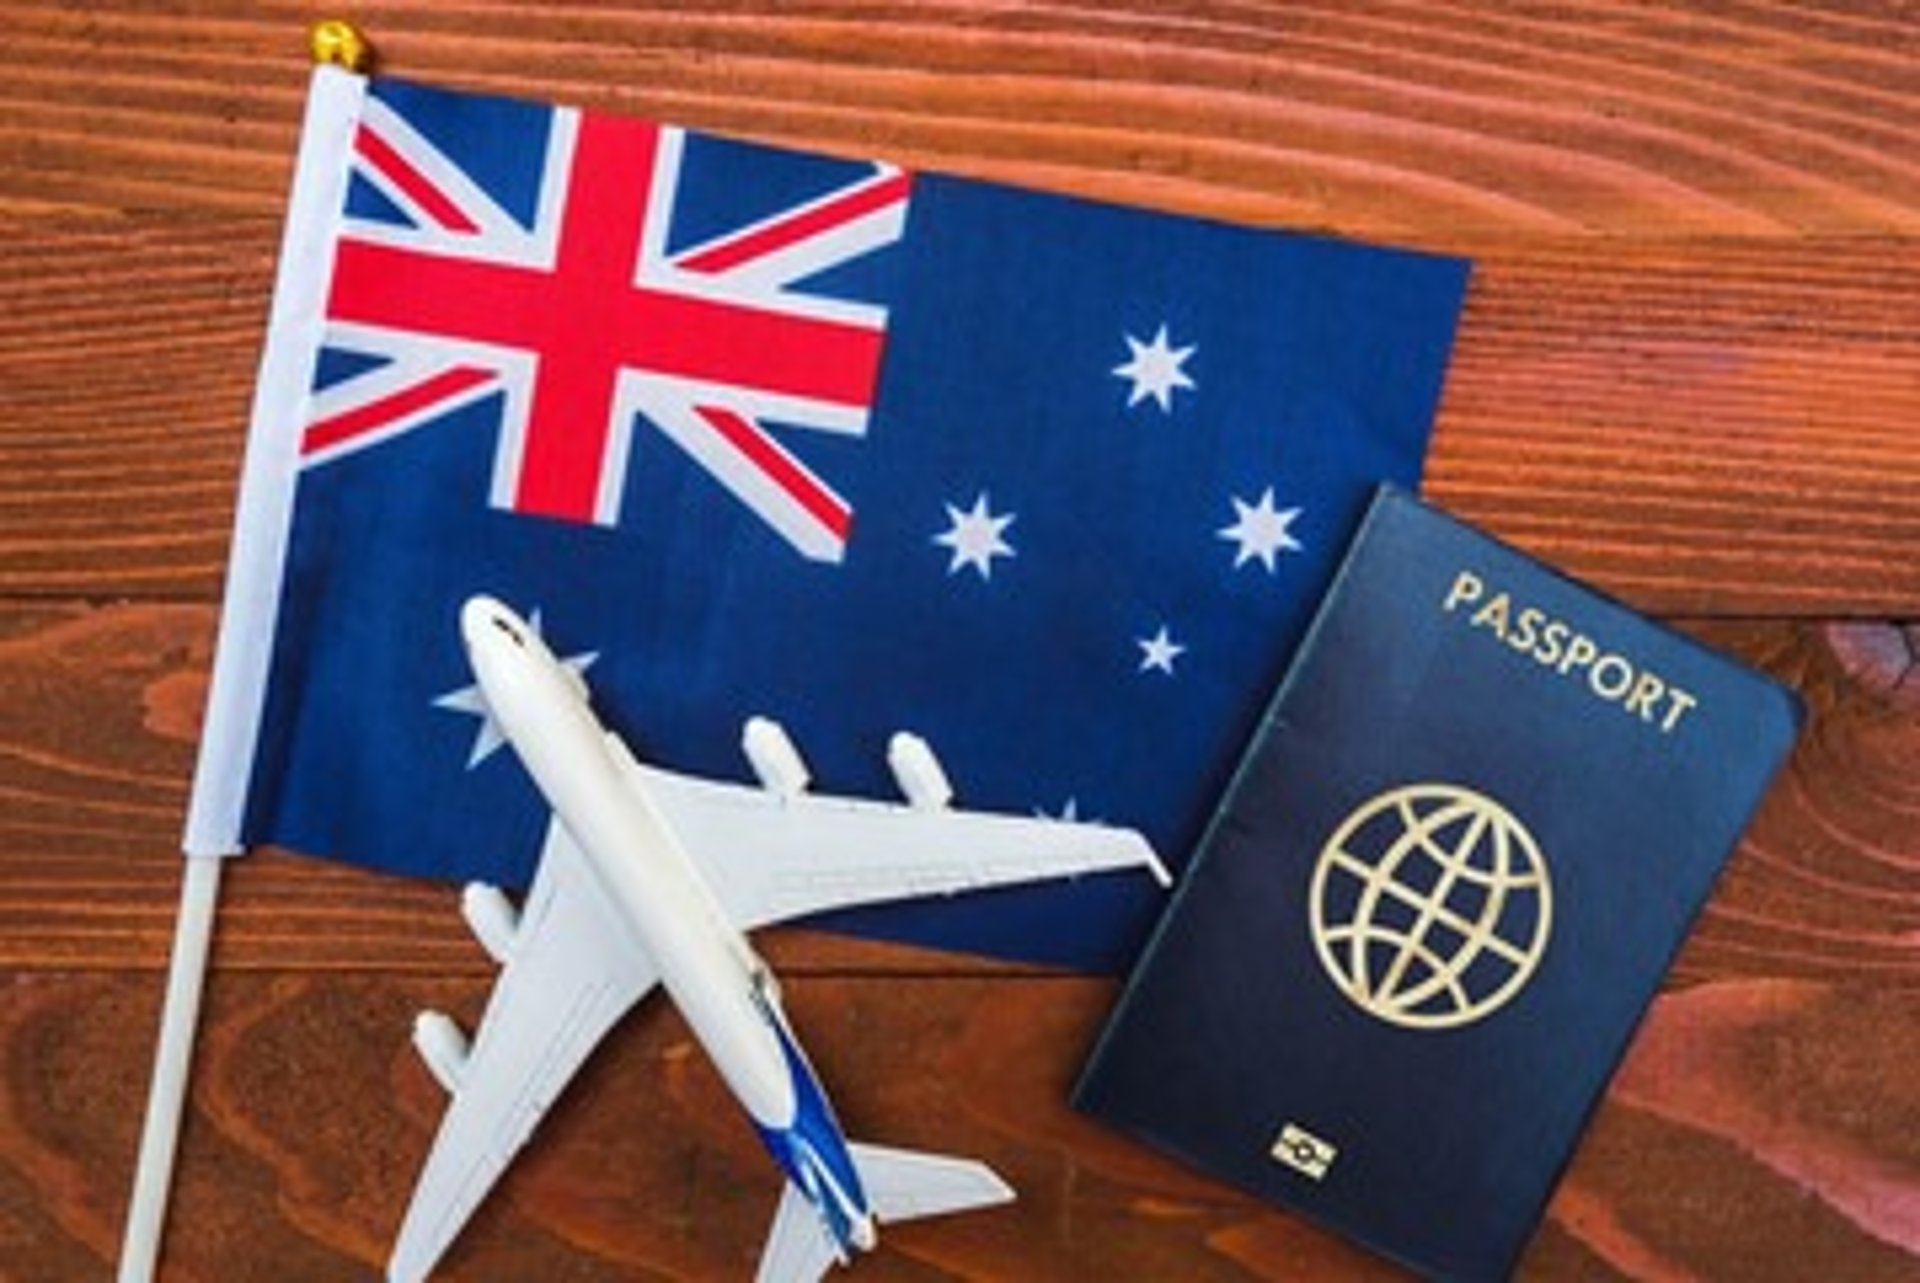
799, 1249
901, 1185
904, 1185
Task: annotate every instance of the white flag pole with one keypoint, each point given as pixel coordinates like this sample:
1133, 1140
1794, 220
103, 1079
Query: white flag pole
166, 1097
237, 696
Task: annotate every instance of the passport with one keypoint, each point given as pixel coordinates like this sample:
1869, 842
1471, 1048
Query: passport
1460, 853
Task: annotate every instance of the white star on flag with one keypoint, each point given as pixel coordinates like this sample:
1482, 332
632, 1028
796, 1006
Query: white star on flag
1155, 370
469, 700
976, 537
1261, 531
1159, 651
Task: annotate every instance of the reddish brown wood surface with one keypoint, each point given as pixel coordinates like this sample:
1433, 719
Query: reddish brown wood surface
1689, 370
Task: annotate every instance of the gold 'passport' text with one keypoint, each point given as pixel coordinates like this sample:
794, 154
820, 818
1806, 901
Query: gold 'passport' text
1558, 646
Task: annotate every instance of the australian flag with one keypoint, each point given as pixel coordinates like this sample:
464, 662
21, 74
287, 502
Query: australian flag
1053, 484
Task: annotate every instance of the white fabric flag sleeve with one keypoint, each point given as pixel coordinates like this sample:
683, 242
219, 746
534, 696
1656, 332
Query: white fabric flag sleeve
255, 567
223, 773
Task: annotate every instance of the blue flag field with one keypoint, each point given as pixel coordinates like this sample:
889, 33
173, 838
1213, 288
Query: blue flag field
1054, 484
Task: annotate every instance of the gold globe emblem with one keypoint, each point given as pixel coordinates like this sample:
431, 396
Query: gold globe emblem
1430, 906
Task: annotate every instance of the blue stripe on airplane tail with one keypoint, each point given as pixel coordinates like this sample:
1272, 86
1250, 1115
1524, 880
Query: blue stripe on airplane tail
813, 1151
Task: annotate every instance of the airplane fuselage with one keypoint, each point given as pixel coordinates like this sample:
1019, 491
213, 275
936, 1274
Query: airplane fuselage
726, 993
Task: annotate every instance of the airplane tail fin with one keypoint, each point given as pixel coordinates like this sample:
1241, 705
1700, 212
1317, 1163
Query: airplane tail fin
901, 1185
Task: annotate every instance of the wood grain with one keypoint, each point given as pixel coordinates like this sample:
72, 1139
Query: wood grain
1721, 430
1767, 1078
106, 701
1748, 1114
1689, 371
1395, 118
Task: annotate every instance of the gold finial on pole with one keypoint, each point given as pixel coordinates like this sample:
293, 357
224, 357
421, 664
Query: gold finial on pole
340, 43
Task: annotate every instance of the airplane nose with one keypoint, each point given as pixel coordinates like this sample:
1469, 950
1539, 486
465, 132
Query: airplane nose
481, 614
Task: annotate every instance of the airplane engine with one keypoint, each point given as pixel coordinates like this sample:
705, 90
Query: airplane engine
491, 917
918, 772
774, 758
442, 1047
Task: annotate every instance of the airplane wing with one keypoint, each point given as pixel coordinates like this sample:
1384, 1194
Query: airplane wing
571, 968
778, 852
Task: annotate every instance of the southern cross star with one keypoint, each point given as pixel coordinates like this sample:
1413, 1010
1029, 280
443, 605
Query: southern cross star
976, 537
1155, 370
1261, 531
1159, 651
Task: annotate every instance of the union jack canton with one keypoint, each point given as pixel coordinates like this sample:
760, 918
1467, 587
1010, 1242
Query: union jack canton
584, 321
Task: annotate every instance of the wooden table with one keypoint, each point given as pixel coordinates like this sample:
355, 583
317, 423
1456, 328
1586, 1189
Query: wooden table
1689, 371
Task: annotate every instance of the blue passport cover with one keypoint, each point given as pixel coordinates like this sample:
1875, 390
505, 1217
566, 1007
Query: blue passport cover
1458, 857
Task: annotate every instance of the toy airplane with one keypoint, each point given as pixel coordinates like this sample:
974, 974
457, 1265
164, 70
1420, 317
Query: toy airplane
649, 877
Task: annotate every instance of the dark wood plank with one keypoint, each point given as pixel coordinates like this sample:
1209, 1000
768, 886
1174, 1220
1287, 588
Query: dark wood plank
1688, 371
104, 708
1771, 1084
1758, 1129
127, 354
1826, 884
1389, 117
1724, 429
1714, 430
1783, 1105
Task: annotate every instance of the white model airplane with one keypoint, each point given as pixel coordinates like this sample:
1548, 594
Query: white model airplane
648, 878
